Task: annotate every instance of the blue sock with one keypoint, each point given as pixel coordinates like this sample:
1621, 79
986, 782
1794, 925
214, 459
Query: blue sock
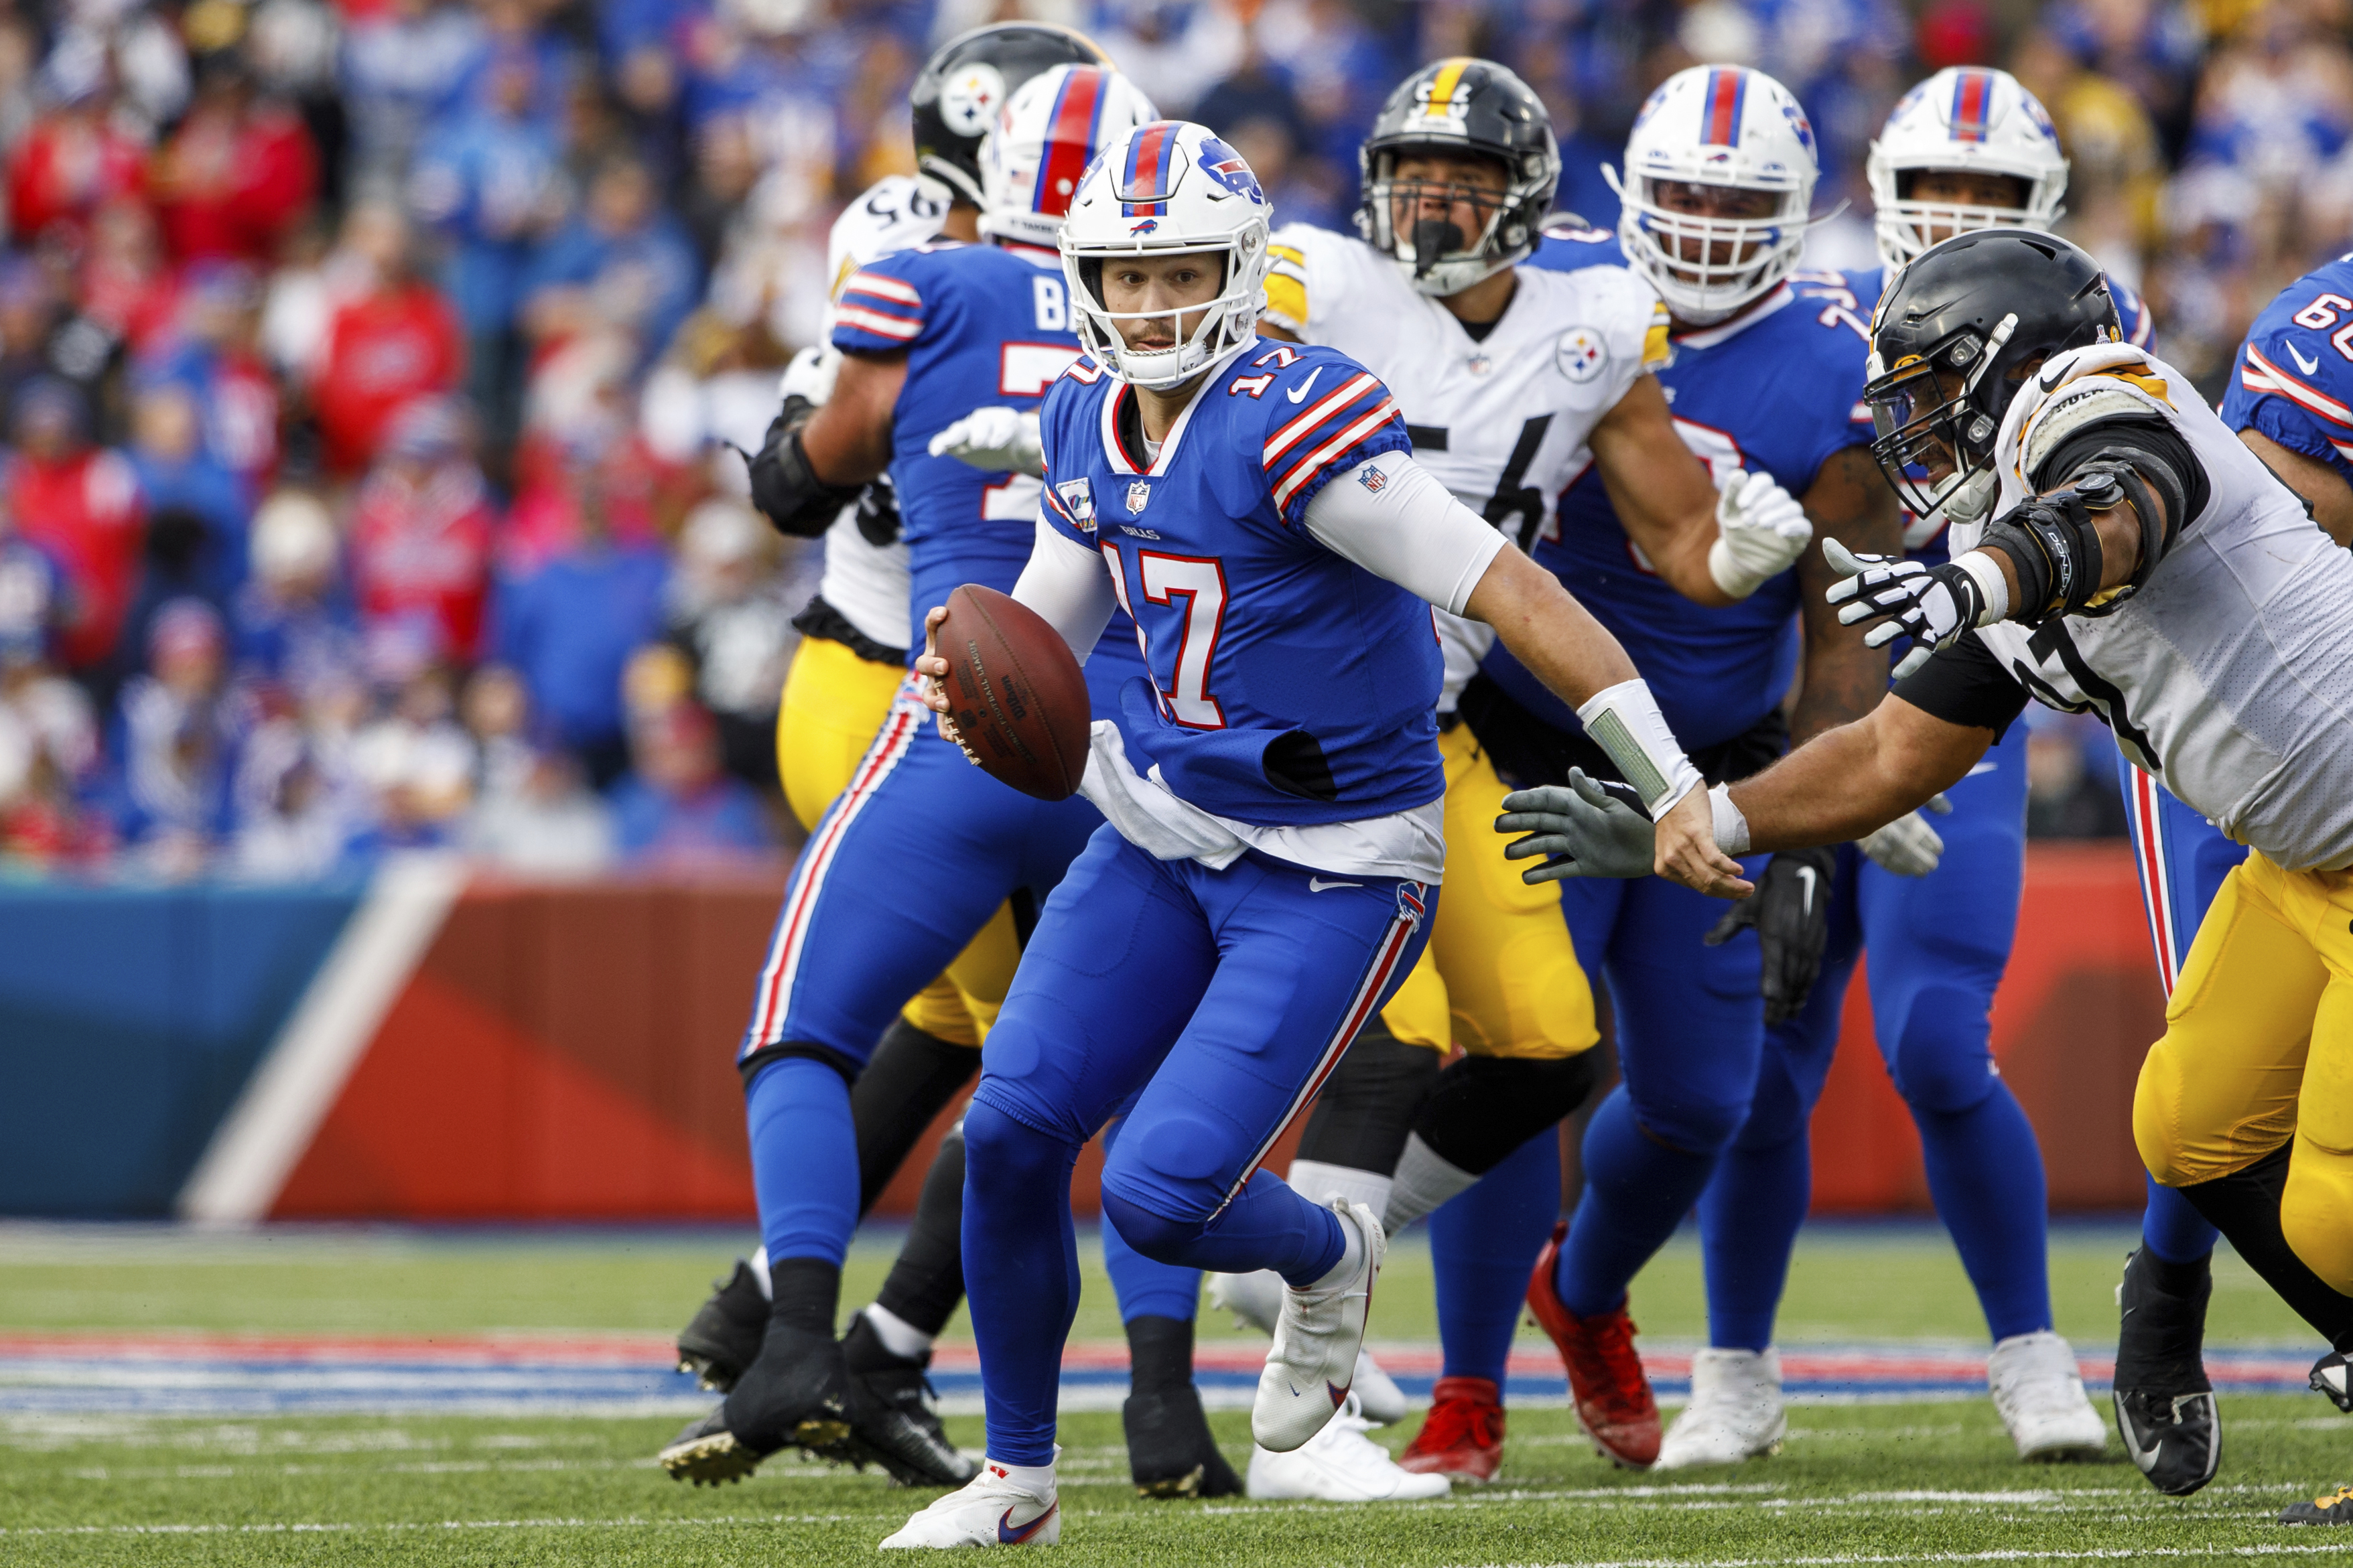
1637, 1190
804, 1159
1267, 1225
1985, 1174
1020, 1275
1748, 1220
2172, 1229
1143, 1287
1483, 1241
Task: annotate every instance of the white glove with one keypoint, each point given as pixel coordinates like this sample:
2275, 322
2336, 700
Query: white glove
1933, 605
996, 439
811, 375
1763, 531
1908, 846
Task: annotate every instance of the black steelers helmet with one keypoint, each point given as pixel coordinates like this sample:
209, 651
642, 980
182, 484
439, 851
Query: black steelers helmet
968, 80
1950, 341
1458, 106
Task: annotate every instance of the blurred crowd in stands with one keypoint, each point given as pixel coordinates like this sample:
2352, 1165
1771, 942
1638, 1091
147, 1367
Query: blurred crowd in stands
369, 368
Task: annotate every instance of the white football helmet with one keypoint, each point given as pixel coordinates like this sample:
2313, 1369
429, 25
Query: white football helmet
1168, 187
1717, 125
1041, 142
1976, 120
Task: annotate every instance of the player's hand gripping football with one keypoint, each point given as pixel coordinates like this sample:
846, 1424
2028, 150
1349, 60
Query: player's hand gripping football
1908, 846
1762, 531
934, 670
1587, 831
1933, 605
1791, 913
996, 439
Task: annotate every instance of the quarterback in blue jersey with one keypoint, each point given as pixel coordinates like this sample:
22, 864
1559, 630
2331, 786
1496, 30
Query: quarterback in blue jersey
1274, 844
918, 851
1760, 379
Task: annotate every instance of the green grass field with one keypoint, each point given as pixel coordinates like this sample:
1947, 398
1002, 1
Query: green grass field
1855, 1483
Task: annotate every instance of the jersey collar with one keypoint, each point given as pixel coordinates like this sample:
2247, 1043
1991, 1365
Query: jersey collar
1708, 337
1116, 451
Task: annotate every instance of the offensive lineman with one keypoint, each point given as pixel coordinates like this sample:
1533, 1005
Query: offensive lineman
2141, 560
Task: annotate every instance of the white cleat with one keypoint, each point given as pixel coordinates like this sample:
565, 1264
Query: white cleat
992, 1510
1312, 1361
1339, 1464
1735, 1413
2039, 1393
1256, 1302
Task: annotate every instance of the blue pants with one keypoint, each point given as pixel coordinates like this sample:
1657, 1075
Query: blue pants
904, 867
2181, 859
1938, 945
1226, 997
1690, 1029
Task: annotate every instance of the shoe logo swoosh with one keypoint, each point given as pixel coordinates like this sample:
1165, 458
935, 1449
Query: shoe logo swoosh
1008, 1535
1318, 885
1299, 393
2306, 365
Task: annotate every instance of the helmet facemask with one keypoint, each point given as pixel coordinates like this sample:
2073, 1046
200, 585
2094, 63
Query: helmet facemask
1906, 225
1437, 255
1708, 268
1936, 416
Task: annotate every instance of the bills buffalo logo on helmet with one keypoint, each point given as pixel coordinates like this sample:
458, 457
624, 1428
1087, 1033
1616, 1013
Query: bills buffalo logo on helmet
1226, 166
1146, 226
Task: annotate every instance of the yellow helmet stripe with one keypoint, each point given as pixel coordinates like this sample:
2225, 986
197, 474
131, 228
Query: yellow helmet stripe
1449, 76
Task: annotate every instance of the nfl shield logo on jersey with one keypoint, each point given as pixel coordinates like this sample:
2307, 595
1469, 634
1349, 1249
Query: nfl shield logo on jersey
1079, 500
1138, 495
1581, 353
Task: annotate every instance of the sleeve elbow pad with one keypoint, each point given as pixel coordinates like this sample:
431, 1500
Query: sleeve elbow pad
786, 488
2149, 460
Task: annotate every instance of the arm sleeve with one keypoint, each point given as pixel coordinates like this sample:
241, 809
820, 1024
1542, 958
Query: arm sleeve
1965, 684
1408, 528
1067, 584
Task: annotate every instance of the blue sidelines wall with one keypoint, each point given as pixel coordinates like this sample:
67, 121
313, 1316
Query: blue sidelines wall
130, 1019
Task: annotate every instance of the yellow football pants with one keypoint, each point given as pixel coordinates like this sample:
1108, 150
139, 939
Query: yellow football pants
1499, 973
2258, 1049
834, 702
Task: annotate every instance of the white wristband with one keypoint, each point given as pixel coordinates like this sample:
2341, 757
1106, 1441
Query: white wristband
1731, 826
1986, 572
1625, 722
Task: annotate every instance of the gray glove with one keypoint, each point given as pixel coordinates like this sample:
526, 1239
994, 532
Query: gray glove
1583, 829
1908, 846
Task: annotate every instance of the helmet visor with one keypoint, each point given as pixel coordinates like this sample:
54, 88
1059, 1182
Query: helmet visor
1922, 416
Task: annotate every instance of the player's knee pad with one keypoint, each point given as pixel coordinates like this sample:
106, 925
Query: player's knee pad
1689, 1126
2158, 1130
2316, 1212
1006, 1157
1942, 1062
1368, 1104
1482, 1108
1161, 1236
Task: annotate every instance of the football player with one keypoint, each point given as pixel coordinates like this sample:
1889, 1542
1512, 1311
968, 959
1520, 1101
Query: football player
1936, 906
1512, 382
1276, 839
1720, 169
876, 904
2128, 554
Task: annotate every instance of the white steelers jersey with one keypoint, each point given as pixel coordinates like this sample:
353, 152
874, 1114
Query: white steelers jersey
2229, 675
1501, 422
868, 582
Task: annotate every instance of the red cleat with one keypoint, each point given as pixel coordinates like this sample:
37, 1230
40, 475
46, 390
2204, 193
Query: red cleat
1463, 1437
1606, 1381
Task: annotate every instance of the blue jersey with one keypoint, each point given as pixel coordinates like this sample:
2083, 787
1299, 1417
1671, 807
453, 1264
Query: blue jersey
1289, 687
2293, 381
1777, 391
1857, 292
981, 325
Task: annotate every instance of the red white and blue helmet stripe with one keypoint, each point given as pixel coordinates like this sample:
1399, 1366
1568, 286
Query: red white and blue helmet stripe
1145, 181
1972, 105
1720, 107
1071, 132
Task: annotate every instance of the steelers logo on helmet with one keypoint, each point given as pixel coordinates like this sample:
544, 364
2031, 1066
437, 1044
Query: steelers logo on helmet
1582, 353
970, 98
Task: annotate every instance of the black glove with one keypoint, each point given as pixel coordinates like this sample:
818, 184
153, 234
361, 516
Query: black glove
1791, 912
878, 512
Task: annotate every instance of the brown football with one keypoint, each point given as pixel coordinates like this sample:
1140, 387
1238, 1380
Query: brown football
1017, 698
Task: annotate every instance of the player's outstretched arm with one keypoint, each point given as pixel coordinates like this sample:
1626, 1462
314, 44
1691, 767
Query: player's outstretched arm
1713, 547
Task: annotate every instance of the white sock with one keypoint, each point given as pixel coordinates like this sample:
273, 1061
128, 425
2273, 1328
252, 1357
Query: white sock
1038, 1480
900, 1337
1320, 1183
1352, 1257
759, 1262
1424, 1179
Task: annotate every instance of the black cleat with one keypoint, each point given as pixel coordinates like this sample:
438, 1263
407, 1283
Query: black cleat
725, 1333
1169, 1450
891, 1413
2332, 1376
2335, 1509
2165, 1405
796, 1394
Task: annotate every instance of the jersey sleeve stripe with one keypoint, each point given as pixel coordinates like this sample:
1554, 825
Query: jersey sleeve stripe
896, 328
2310, 398
1305, 425
1308, 466
882, 288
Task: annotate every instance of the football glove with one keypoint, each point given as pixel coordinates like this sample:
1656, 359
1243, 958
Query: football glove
1933, 605
878, 512
1908, 846
1791, 914
810, 374
1586, 829
996, 439
1761, 532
